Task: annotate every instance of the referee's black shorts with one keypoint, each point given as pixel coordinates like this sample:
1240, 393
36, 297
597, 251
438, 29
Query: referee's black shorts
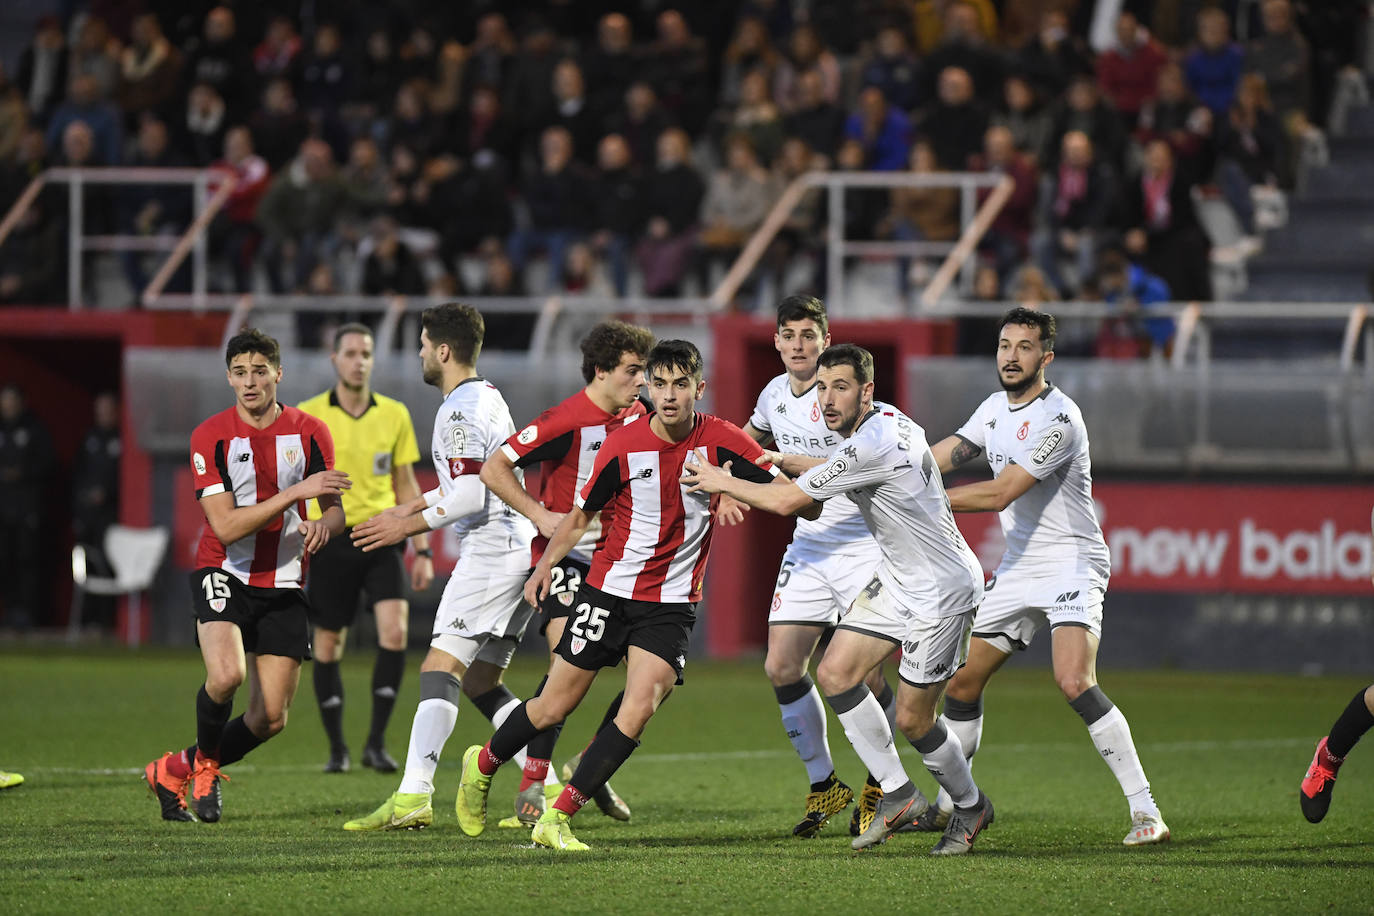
340, 573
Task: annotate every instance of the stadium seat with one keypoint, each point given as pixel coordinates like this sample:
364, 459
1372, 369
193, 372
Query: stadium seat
135, 555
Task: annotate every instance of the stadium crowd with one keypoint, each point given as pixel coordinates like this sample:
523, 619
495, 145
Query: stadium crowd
406, 148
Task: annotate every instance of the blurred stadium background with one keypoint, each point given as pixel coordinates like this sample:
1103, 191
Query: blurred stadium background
1187, 184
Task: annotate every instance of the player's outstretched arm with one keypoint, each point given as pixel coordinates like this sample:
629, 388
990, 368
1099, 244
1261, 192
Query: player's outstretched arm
568, 533
434, 509
991, 495
330, 524
781, 497
791, 465
231, 523
954, 451
498, 473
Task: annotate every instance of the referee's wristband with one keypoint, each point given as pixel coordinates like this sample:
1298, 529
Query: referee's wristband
424, 552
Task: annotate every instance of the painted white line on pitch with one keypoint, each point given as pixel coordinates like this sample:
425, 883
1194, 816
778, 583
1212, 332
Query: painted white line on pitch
1166, 747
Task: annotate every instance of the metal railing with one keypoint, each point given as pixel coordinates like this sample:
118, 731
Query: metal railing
974, 219
192, 241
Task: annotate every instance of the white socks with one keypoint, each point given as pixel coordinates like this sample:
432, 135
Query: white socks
866, 727
1112, 737
944, 758
969, 733
434, 721
804, 720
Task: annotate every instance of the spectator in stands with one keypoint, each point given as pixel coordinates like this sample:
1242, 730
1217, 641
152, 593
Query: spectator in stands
1007, 240
484, 134
801, 232
932, 22
500, 278
100, 117
279, 52
640, 121
955, 123
618, 198
416, 59
278, 126
1160, 227
1281, 55
864, 208
1023, 115
1128, 71
390, 267
676, 64
1214, 67
738, 197
1137, 325
529, 91
42, 74
366, 180
413, 125
465, 202
78, 150
378, 80
150, 69
750, 50
1075, 203
151, 209
14, 121
672, 200
925, 214
203, 124
1180, 120
883, 131
964, 44
610, 66
491, 55
1083, 109
1054, 56
757, 116
96, 54
505, 330
572, 112
299, 216
805, 52
220, 58
557, 196
1250, 149
815, 120
26, 460
33, 258
893, 70
95, 502
234, 232
579, 275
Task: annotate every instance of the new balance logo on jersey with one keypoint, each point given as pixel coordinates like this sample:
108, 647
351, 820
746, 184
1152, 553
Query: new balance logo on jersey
1066, 598
243, 456
645, 473
594, 446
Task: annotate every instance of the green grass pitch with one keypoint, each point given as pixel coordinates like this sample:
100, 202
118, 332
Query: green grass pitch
714, 789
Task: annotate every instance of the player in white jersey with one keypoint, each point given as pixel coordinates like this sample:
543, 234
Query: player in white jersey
1056, 564
480, 617
922, 599
826, 565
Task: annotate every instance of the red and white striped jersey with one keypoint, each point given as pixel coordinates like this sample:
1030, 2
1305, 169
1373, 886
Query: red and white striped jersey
655, 544
229, 456
567, 438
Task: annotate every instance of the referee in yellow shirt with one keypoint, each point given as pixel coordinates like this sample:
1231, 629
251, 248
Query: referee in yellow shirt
374, 441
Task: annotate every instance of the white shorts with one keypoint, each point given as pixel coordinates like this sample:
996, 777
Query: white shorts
933, 648
815, 588
1016, 605
483, 613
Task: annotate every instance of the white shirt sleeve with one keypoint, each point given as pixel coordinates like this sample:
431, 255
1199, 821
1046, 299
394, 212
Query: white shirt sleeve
854, 464
1049, 449
466, 496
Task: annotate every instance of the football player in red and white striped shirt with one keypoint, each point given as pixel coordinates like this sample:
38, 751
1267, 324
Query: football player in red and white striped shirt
254, 467
566, 440
639, 599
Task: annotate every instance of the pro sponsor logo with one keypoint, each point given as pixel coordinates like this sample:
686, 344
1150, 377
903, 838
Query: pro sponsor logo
832, 471
198, 462
1047, 445
528, 434
457, 439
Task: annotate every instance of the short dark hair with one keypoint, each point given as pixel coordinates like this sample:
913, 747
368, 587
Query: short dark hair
1032, 318
803, 308
352, 327
253, 340
604, 345
674, 354
458, 325
852, 355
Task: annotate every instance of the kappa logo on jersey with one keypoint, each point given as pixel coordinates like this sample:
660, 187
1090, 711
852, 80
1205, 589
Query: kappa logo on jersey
528, 434
457, 417
198, 461
1023, 431
992, 424
815, 412
781, 408
457, 623
1061, 418
835, 469
850, 451
1047, 446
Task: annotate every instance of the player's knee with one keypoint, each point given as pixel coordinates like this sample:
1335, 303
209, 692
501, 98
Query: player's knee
633, 716
545, 710
1072, 684
835, 678
783, 671
914, 723
222, 685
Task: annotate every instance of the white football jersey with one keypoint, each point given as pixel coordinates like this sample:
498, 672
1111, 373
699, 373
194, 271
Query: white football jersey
798, 428
887, 469
472, 423
1054, 520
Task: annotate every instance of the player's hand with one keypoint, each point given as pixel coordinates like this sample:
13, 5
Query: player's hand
548, 522
325, 483
537, 585
730, 511
421, 573
382, 530
702, 476
316, 534
770, 457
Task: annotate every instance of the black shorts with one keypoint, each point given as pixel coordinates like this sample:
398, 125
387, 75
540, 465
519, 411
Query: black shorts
568, 577
340, 573
273, 621
602, 628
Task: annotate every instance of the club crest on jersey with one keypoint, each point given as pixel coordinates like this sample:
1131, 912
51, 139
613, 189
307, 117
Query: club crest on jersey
566, 598
1023, 431
218, 604
577, 644
815, 412
292, 454
198, 462
835, 469
528, 434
